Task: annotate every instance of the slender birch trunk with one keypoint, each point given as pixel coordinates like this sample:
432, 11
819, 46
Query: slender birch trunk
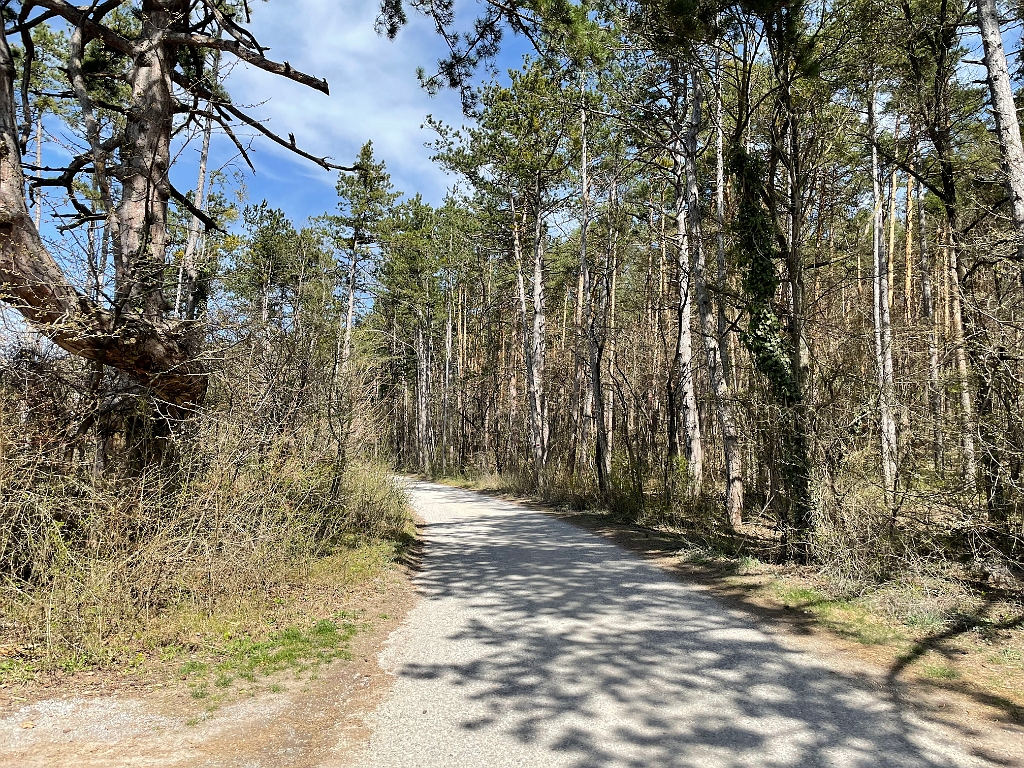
1004, 110
713, 339
538, 394
687, 415
883, 331
602, 455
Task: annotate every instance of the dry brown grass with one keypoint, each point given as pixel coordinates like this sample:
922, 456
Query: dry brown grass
91, 565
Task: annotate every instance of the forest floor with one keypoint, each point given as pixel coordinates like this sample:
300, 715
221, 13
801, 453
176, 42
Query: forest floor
296, 695
894, 632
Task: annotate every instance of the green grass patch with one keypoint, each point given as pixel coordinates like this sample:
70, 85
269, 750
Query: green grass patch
842, 617
939, 672
300, 649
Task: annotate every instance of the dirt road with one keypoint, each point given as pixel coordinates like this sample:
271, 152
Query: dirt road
538, 644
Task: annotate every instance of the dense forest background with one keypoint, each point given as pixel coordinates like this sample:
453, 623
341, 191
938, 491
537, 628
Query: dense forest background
750, 270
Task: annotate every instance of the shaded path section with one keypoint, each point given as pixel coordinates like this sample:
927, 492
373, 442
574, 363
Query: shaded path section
539, 644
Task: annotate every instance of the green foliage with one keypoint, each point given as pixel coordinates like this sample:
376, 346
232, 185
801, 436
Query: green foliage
757, 251
365, 200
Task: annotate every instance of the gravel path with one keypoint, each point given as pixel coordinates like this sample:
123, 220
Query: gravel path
538, 644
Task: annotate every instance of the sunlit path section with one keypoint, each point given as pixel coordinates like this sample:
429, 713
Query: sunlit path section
538, 644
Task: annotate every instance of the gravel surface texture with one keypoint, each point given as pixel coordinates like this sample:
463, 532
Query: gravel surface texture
539, 644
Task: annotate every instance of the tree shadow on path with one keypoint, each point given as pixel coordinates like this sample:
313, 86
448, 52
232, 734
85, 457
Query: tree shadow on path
581, 646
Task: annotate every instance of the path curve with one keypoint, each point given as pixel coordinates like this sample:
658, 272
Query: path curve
539, 644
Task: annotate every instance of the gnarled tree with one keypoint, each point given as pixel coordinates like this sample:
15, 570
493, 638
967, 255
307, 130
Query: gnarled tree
136, 75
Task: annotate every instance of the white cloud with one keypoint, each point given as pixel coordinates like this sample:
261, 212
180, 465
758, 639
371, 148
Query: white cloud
374, 93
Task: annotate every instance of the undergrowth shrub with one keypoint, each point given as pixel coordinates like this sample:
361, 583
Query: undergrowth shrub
83, 558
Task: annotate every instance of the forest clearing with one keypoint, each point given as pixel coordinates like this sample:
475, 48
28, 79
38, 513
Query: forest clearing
736, 285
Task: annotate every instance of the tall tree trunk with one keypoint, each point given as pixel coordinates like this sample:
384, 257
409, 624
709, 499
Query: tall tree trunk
612, 269
685, 406
446, 383
145, 156
722, 277
883, 331
890, 260
538, 344
928, 316
796, 441
958, 327
533, 367
189, 287
188, 274
908, 253
424, 452
602, 455
713, 340
1004, 110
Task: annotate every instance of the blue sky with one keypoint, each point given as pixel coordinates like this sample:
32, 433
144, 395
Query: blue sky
375, 95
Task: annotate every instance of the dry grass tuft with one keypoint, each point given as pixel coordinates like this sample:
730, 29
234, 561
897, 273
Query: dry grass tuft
88, 564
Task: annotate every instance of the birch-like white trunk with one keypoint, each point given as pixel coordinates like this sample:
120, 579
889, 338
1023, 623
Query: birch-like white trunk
538, 337
713, 339
350, 309
882, 327
686, 395
1004, 110
594, 348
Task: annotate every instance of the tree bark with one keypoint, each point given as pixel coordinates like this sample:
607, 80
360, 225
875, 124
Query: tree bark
1004, 110
928, 316
158, 354
602, 457
538, 342
881, 304
713, 340
685, 406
